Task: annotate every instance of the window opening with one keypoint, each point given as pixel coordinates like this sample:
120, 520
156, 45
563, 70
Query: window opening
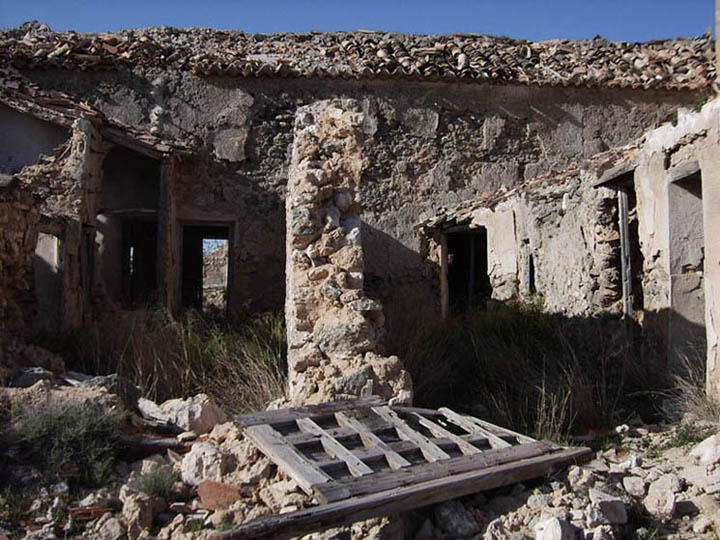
468, 280
139, 240
205, 267
532, 288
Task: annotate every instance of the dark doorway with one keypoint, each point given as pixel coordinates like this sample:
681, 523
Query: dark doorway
139, 240
468, 281
205, 267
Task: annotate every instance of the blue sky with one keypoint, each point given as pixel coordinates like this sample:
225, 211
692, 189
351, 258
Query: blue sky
627, 20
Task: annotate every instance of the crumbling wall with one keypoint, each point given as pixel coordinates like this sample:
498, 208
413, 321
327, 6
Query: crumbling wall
334, 330
433, 144
555, 243
19, 216
689, 146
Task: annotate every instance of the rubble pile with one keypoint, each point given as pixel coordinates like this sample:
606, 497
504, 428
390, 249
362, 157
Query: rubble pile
650, 484
670, 64
217, 479
186, 472
334, 330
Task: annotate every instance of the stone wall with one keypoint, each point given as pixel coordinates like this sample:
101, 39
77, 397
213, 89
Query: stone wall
568, 229
334, 330
433, 144
681, 276
19, 217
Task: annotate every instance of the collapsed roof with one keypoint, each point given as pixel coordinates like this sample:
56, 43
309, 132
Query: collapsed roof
680, 64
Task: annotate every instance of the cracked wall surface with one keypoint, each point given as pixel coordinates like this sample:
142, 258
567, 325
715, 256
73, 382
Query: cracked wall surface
433, 144
335, 331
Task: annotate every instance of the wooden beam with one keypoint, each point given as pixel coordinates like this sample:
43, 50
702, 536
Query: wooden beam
334, 448
323, 517
431, 451
424, 472
285, 456
370, 440
439, 431
466, 422
503, 433
284, 416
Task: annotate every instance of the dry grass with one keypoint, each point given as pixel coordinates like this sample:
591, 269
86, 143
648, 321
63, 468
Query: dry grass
519, 367
687, 399
240, 364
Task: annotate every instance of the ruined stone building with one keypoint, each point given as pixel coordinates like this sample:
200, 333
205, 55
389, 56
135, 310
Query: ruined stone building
486, 169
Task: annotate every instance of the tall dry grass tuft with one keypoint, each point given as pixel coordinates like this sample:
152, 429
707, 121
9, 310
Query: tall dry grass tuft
531, 371
240, 364
687, 398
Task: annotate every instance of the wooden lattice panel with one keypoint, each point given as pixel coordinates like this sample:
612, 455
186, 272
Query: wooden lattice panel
362, 458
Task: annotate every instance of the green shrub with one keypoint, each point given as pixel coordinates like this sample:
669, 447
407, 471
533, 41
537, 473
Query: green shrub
158, 483
77, 442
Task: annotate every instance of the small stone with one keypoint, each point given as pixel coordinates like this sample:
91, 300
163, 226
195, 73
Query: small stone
702, 525
613, 508
708, 451
216, 496
205, 461
634, 486
660, 503
187, 436
198, 413
554, 529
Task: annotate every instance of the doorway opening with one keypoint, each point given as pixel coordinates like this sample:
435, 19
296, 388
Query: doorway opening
139, 261
205, 268
687, 295
467, 270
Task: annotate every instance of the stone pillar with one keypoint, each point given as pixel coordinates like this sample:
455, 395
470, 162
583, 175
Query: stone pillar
334, 331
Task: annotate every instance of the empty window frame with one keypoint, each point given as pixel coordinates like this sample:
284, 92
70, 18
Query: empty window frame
139, 261
467, 270
205, 267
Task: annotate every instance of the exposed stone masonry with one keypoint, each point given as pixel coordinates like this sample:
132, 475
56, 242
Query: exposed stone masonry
334, 330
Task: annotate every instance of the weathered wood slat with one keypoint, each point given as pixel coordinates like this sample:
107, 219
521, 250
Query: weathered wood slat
430, 450
468, 425
501, 430
369, 439
404, 448
334, 448
340, 434
292, 462
439, 431
289, 415
424, 472
438, 490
